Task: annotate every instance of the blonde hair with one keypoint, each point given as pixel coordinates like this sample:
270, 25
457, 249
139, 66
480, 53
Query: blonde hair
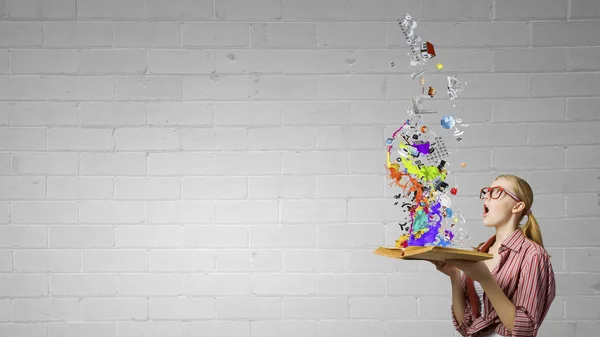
523, 191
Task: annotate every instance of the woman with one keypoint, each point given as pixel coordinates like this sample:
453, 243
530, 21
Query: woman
510, 294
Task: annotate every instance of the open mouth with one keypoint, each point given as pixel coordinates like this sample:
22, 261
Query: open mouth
485, 210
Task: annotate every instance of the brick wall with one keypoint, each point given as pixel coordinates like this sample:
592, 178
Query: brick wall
216, 167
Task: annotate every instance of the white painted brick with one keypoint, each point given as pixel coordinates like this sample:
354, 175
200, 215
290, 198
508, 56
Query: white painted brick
283, 284
182, 308
249, 61
464, 10
22, 87
255, 163
81, 87
147, 188
114, 261
582, 308
577, 133
218, 328
351, 285
373, 210
147, 139
181, 62
114, 309
322, 61
216, 139
112, 163
74, 329
113, 9
22, 187
351, 35
80, 188
23, 285
214, 188
281, 138
4, 62
356, 87
149, 329
529, 110
23, 236
20, 34
540, 9
382, 9
287, 236
352, 236
3, 8
44, 212
6, 265
437, 307
292, 87
248, 307
50, 261
131, 236
217, 284
349, 186
112, 114
582, 205
364, 261
383, 308
581, 9
5, 310
81, 236
74, 285
281, 328
538, 158
180, 113
205, 236
443, 33
218, 34
22, 139
149, 285
586, 328
417, 284
313, 210
247, 113
111, 211
42, 9
321, 162
41, 114
180, 163
46, 310
351, 328
353, 137
147, 34
161, 88
216, 87
364, 162
315, 113
582, 157
240, 9
576, 284
176, 212
582, 109
420, 327
530, 60
493, 34
283, 34
249, 260
580, 84
4, 164
78, 34
100, 62
250, 211
182, 260
376, 112
44, 61
179, 9
281, 187
80, 139
313, 9
24, 329
565, 33
315, 308
316, 260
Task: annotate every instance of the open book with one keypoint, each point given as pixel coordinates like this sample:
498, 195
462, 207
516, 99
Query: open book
432, 253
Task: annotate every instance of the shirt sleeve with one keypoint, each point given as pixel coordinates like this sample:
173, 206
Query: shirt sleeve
534, 295
468, 316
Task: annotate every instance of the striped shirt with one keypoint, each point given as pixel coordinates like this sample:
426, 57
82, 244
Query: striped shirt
525, 274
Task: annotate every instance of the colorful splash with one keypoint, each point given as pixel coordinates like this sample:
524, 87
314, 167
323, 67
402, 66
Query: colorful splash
417, 159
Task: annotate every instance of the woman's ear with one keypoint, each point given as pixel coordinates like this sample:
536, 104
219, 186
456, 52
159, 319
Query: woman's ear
520, 206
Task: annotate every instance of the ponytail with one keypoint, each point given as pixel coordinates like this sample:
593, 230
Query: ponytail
532, 231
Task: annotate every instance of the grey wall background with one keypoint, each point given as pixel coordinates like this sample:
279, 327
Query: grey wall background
216, 168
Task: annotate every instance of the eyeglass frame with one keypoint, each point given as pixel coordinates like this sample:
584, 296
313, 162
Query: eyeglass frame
502, 189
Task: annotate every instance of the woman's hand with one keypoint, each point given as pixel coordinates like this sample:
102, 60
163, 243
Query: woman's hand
478, 271
446, 268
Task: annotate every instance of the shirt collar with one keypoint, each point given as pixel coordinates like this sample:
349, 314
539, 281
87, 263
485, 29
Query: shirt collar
513, 241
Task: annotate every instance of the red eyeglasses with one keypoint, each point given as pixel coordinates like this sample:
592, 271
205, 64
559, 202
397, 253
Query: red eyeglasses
496, 192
